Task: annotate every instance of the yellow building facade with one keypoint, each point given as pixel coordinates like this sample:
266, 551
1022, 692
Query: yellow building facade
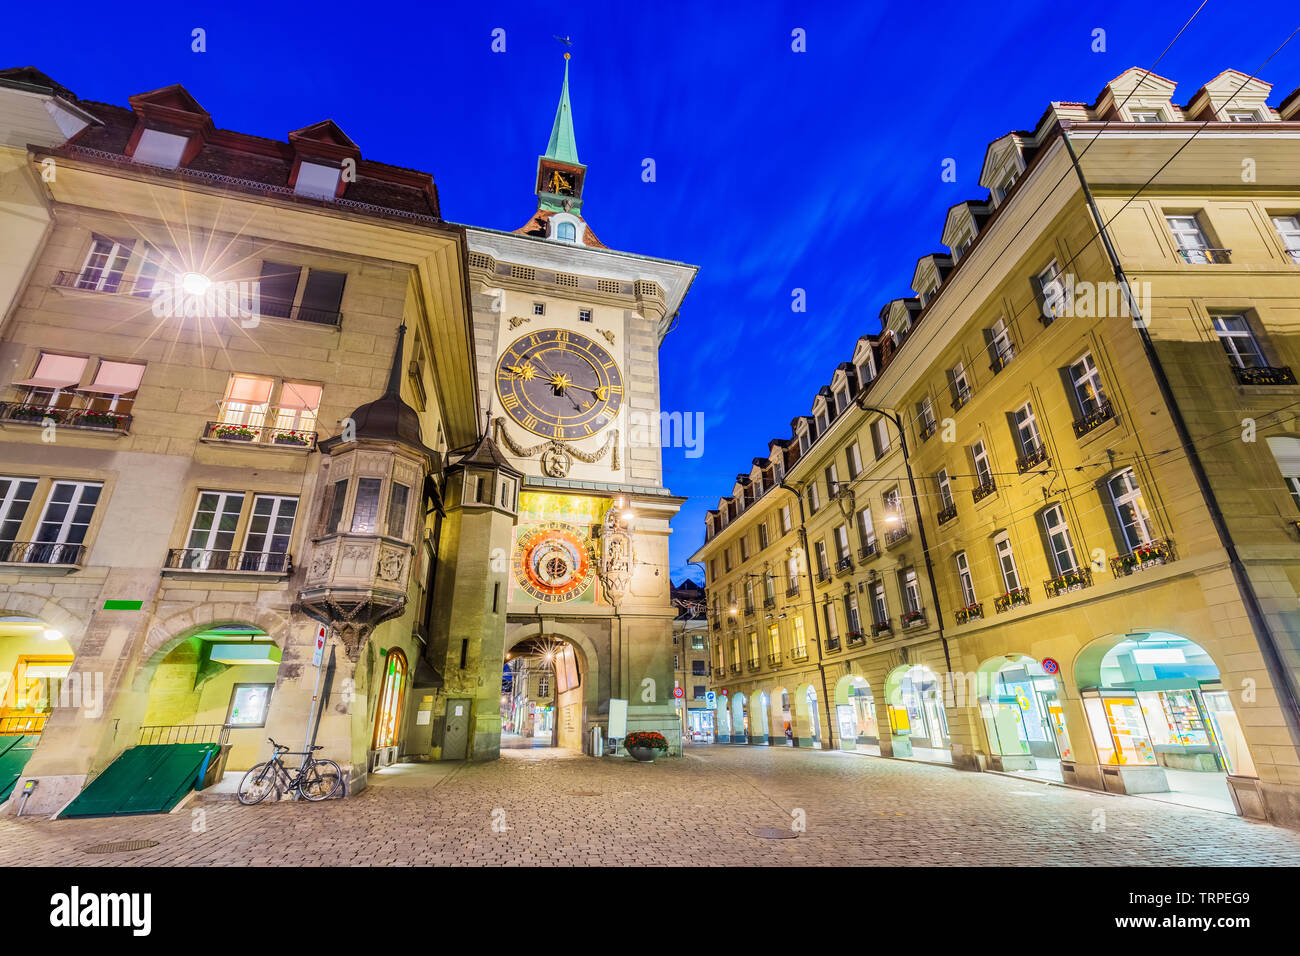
1094, 384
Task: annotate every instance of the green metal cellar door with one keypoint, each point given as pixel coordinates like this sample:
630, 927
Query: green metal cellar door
14, 754
149, 779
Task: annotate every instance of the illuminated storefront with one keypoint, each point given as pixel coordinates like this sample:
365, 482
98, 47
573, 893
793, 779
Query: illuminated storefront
916, 710
1023, 717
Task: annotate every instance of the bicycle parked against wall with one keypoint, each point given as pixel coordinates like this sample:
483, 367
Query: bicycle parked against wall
314, 779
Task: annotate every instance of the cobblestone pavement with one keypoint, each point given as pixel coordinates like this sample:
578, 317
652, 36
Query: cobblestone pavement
566, 809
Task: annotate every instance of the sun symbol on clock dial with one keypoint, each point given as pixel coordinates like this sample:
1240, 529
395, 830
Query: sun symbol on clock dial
559, 384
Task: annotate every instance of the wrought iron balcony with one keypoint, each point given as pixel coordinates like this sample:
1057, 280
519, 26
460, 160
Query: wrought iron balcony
1206, 256
844, 563
799, 653
881, 630
971, 612
259, 435
201, 559
95, 280
792, 590
717, 624
1264, 375
1000, 360
1012, 599
1149, 555
914, 618
928, 428
823, 575
856, 638
961, 399
832, 644
28, 413
1032, 456
735, 668
754, 663
867, 552
895, 535
769, 603
1102, 413
43, 552
774, 658
984, 489
749, 610
947, 514
1069, 581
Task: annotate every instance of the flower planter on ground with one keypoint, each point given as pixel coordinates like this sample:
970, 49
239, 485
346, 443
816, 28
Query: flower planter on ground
644, 744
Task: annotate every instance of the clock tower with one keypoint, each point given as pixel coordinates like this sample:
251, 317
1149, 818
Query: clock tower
567, 334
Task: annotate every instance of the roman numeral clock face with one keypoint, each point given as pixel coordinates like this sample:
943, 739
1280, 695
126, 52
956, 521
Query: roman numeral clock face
559, 384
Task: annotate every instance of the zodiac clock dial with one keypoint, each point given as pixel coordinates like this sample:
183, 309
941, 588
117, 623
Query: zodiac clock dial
559, 384
552, 563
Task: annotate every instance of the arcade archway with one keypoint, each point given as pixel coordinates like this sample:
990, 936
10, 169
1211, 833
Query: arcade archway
35, 662
739, 719
1161, 719
1024, 723
760, 724
542, 694
855, 714
917, 721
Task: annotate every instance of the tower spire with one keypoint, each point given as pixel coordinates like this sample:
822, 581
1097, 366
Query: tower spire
562, 145
559, 173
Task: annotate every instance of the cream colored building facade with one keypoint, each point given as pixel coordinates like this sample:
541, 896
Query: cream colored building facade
1100, 433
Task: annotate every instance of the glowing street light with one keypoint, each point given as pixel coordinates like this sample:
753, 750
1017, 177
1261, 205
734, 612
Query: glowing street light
195, 283
53, 634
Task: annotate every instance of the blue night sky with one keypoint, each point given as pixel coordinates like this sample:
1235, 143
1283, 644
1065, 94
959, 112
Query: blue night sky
775, 169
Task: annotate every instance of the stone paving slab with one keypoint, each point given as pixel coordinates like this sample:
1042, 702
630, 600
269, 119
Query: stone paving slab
549, 807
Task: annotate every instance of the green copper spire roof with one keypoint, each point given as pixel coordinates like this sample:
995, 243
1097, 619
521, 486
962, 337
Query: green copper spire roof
562, 145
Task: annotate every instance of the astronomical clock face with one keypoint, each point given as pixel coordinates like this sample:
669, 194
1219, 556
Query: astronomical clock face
551, 562
559, 384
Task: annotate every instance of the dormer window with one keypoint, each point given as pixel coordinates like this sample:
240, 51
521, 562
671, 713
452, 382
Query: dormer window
566, 232
803, 440
822, 422
1243, 116
1004, 186
317, 181
157, 148
1147, 116
841, 399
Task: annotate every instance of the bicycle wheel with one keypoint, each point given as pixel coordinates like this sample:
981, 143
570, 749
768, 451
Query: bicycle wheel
257, 784
321, 780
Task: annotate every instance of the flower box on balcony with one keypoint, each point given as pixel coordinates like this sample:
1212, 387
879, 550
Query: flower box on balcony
234, 433
928, 429
1148, 555
1069, 581
984, 489
856, 637
971, 612
101, 420
947, 514
881, 627
913, 618
1017, 598
291, 438
35, 413
1102, 413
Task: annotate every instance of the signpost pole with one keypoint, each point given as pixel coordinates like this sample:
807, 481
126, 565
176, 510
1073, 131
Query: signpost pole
322, 632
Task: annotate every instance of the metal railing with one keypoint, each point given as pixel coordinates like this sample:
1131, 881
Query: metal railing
202, 559
42, 552
856, 638
1148, 555
882, 629
17, 725
279, 309
895, 535
913, 618
928, 428
971, 612
1069, 581
1264, 375
155, 734
844, 563
961, 399
1032, 456
823, 575
947, 514
1015, 598
1206, 256
792, 591
769, 603
259, 435
31, 413
1000, 359
832, 644
799, 653
1090, 420
868, 551
984, 489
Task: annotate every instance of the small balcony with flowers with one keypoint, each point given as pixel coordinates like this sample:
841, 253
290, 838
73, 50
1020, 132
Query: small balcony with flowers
1097, 414
971, 612
913, 619
1017, 597
1074, 580
882, 630
1151, 554
248, 418
54, 396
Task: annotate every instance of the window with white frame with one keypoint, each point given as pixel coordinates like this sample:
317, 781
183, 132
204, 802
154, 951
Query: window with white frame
792, 572
867, 370
832, 622
821, 557
1060, 546
247, 399
964, 577
893, 503
1146, 116
1000, 349
832, 480
212, 529
980, 456
866, 532
270, 528
1027, 429
1288, 227
1086, 379
945, 488
778, 466
15, 498
814, 498
841, 542
785, 519
960, 383
1130, 509
1190, 238
1293, 486
762, 535
299, 403
798, 640
822, 423
1006, 563
539, 308
55, 379
774, 641
1243, 116
841, 399
1052, 291
155, 264
65, 521
105, 264
851, 612
769, 587
880, 436
804, 443
1238, 341
911, 591
925, 411
879, 606
854, 456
